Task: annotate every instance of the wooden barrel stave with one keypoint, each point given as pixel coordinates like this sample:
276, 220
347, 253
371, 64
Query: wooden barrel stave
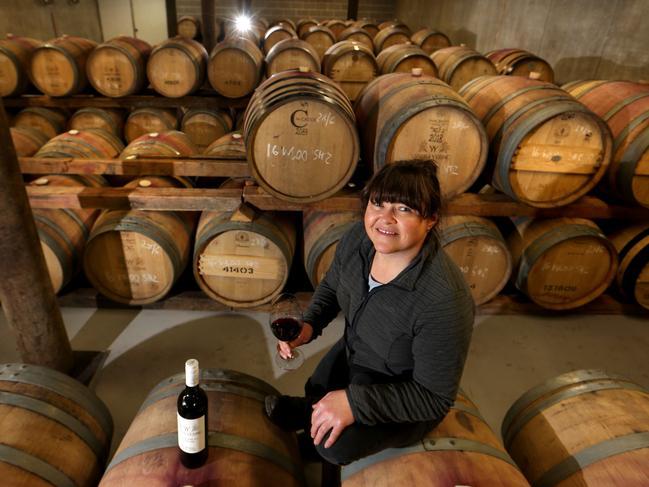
245, 447
85, 144
585, 427
170, 143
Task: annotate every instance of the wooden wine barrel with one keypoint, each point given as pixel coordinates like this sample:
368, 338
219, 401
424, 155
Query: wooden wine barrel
478, 248
275, 34
177, 67
322, 232
388, 24
351, 65
389, 37
549, 149
403, 58
561, 263
15, 54
63, 232
624, 106
408, 116
171, 143
203, 126
302, 26
285, 22
229, 145
242, 258
49, 121
320, 37
300, 136
461, 451
430, 40
188, 26
27, 141
518, 62
632, 245
235, 67
143, 121
458, 65
586, 427
336, 26
245, 448
109, 119
58, 67
292, 54
134, 257
55, 431
117, 67
358, 34
84, 144
370, 27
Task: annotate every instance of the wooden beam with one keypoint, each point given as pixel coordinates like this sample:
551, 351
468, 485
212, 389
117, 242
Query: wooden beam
207, 24
28, 299
172, 18
352, 9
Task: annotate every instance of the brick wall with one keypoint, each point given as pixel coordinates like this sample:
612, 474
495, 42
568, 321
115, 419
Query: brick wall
295, 9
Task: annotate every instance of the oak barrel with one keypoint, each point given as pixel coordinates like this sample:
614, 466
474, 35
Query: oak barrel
229, 146
109, 119
320, 37
177, 66
242, 258
405, 116
369, 26
49, 121
582, 428
632, 245
58, 66
561, 263
519, 62
171, 143
55, 431
403, 58
203, 126
303, 25
117, 67
83, 144
457, 65
351, 65
27, 141
389, 37
357, 34
63, 232
276, 34
235, 67
15, 54
322, 232
430, 40
478, 248
143, 121
188, 26
461, 451
300, 135
336, 26
134, 257
290, 54
549, 149
245, 448
624, 106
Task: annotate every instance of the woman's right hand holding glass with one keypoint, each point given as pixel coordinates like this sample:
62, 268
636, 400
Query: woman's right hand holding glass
285, 349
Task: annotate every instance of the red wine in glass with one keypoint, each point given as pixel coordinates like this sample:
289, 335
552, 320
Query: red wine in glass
286, 323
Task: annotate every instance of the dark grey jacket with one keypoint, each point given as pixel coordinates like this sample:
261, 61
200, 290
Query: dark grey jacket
415, 328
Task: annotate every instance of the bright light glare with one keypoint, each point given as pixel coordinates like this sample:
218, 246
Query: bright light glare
242, 23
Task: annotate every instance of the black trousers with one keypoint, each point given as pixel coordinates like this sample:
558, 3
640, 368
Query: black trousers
357, 440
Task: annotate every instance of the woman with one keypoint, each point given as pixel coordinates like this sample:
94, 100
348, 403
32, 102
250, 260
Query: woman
408, 321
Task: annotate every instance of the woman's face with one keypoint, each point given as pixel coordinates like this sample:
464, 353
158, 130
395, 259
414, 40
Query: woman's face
396, 228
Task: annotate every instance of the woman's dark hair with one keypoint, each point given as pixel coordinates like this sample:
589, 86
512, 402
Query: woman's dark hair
413, 183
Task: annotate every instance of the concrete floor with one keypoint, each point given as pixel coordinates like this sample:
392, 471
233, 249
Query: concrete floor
508, 355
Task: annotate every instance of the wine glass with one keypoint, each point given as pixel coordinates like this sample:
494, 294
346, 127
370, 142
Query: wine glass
286, 323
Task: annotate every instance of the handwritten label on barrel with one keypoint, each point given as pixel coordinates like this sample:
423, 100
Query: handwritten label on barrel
240, 266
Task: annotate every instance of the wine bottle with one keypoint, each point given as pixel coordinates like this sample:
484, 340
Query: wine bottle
192, 419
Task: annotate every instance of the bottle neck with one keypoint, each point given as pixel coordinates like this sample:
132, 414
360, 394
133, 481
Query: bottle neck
191, 373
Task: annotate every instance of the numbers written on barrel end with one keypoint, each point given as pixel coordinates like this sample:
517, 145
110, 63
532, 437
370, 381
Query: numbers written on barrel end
293, 153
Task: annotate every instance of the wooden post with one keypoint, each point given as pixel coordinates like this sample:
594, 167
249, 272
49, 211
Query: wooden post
207, 23
172, 18
28, 299
352, 9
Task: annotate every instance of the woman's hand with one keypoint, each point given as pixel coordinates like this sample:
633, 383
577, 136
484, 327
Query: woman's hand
285, 348
332, 412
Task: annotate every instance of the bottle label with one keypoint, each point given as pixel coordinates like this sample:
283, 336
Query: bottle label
191, 434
